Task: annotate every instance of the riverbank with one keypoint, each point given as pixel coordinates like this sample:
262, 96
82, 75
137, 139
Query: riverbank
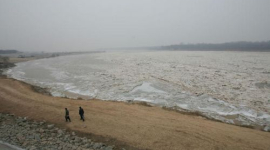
34, 135
126, 125
11, 62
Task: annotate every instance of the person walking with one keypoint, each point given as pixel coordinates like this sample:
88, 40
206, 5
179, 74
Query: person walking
81, 112
67, 115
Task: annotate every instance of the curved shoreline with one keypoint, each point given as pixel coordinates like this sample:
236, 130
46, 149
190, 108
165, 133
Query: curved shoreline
128, 125
72, 96
117, 116
44, 92
234, 111
75, 96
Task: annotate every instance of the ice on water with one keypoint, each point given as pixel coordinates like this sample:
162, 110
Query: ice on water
217, 84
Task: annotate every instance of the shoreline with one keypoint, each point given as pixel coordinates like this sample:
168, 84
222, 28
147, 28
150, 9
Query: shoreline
118, 145
146, 123
235, 98
46, 91
113, 121
74, 96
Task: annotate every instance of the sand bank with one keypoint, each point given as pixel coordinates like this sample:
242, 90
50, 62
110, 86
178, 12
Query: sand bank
131, 125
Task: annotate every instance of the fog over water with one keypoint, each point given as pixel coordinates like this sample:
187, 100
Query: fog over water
67, 25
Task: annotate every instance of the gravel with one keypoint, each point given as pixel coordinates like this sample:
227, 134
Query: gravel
32, 135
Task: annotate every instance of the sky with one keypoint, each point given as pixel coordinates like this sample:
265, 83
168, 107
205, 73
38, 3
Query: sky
82, 25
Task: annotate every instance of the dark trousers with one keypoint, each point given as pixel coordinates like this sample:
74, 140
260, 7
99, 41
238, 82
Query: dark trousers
67, 119
82, 117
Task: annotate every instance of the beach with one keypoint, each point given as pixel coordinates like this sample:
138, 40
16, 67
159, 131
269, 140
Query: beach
135, 75
122, 124
232, 87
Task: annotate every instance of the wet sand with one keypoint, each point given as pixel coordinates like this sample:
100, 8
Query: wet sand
129, 125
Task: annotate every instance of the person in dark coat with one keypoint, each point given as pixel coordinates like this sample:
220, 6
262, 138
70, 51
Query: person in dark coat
81, 112
67, 115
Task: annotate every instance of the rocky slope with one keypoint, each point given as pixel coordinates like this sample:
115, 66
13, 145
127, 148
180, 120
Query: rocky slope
32, 135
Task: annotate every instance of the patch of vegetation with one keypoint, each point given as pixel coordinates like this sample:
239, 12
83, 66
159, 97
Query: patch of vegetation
8, 51
4, 64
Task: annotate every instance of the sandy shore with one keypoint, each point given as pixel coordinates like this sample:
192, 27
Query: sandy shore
127, 125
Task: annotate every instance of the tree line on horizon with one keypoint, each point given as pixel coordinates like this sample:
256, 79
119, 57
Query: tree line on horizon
8, 51
240, 46
229, 46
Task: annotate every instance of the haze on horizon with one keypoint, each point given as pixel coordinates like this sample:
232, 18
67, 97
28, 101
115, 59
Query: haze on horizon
67, 25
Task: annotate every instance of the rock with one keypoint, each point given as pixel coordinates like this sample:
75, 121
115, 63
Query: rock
84, 141
37, 137
109, 148
73, 133
33, 126
72, 138
32, 148
97, 145
74, 147
41, 130
87, 145
50, 138
50, 126
60, 131
67, 137
54, 131
59, 135
58, 142
27, 126
69, 145
19, 120
32, 135
20, 137
77, 140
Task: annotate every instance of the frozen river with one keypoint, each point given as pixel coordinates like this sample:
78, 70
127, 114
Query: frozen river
233, 87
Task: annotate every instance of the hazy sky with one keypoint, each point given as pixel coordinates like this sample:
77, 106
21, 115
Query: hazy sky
76, 25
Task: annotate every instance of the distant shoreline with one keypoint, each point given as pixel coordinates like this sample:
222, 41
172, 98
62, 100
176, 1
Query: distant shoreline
263, 46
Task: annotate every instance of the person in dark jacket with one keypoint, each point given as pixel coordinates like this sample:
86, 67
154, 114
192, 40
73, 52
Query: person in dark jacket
67, 115
81, 112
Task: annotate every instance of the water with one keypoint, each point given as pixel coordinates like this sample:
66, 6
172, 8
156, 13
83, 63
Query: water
217, 84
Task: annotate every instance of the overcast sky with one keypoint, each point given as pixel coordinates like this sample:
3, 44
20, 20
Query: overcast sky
79, 25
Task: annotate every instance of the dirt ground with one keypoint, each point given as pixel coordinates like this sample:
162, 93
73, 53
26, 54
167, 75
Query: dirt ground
16, 60
127, 125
